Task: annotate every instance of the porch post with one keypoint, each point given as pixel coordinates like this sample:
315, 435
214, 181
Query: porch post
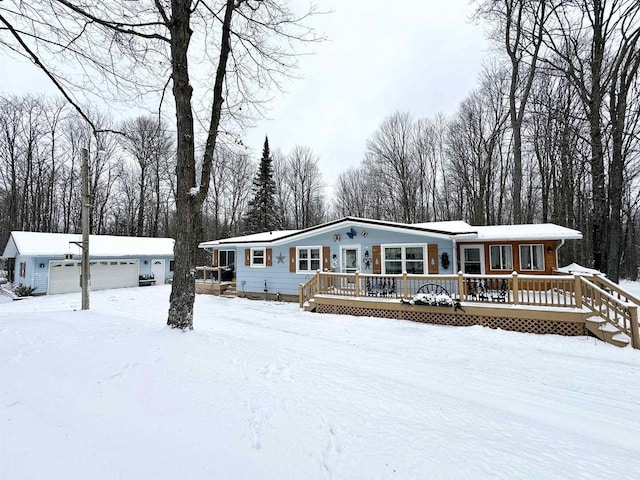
461, 292
514, 285
300, 296
405, 285
356, 285
577, 290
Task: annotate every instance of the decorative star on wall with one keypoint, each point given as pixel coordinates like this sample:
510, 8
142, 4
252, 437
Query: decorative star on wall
280, 258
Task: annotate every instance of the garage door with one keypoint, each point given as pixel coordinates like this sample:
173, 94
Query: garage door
114, 274
64, 276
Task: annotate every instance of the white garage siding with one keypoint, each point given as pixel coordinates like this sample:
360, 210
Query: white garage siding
64, 276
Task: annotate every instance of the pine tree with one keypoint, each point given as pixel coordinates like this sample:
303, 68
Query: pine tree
261, 214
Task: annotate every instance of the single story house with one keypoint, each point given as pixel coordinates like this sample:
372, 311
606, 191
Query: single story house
278, 262
51, 262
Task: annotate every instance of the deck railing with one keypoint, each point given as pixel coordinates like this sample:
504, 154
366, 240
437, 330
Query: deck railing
209, 274
614, 306
561, 291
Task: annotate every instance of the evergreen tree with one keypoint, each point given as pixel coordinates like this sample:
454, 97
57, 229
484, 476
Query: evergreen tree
261, 214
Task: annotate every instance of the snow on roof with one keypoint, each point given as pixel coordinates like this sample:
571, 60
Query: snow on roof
453, 226
544, 231
54, 244
579, 269
541, 231
253, 238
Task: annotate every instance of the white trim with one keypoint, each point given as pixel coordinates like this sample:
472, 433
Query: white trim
355, 247
541, 245
340, 228
509, 269
403, 255
220, 250
264, 257
480, 247
308, 247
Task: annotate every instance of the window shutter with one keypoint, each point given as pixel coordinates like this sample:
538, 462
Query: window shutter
326, 261
268, 261
292, 260
215, 258
377, 259
432, 255
247, 257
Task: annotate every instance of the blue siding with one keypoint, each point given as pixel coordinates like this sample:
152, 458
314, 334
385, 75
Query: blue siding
280, 280
38, 276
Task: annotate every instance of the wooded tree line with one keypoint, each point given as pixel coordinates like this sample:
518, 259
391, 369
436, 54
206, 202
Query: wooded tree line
40, 154
551, 134
131, 176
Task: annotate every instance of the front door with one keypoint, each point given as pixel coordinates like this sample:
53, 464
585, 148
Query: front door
349, 259
157, 268
472, 259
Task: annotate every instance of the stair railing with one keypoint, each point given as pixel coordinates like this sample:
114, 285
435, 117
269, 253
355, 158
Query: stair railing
621, 314
307, 290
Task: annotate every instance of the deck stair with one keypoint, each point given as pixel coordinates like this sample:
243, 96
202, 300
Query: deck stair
230, 290
309, 305
9, 293
606, 332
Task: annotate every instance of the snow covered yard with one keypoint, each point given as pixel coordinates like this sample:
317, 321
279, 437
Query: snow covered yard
263, 390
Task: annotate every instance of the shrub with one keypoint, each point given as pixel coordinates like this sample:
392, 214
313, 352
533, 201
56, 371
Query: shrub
23, 290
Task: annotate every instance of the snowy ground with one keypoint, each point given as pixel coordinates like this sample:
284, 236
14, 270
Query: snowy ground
262, 390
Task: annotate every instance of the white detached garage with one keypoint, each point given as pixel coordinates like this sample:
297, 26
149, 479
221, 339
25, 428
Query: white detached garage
51, 262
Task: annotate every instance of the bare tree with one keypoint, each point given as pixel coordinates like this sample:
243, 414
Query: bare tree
476, 140
148, 142
152, 43
390, 159
519, 29
304, 184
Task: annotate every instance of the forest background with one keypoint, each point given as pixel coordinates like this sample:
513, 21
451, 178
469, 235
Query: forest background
551, 133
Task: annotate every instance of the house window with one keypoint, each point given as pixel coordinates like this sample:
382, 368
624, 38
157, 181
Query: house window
308, 259
227, 258
23, 269
501, 257
532, 257
172, 265
399, 259
257, 257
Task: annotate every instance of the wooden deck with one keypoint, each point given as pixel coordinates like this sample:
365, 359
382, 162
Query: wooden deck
556, 304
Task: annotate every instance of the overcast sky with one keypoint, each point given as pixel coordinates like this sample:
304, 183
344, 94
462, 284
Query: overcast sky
421, 57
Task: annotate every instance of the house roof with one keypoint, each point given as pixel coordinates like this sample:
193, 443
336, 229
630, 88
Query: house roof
450, 229
453, 226
56, 244
435, 228
541, 231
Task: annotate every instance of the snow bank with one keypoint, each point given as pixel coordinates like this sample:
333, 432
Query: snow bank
263, 390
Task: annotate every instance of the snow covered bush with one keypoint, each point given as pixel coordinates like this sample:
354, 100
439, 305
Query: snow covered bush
433, 299
23, 290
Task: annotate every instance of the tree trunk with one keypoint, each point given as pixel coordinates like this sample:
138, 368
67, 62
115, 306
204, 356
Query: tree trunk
183, 289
